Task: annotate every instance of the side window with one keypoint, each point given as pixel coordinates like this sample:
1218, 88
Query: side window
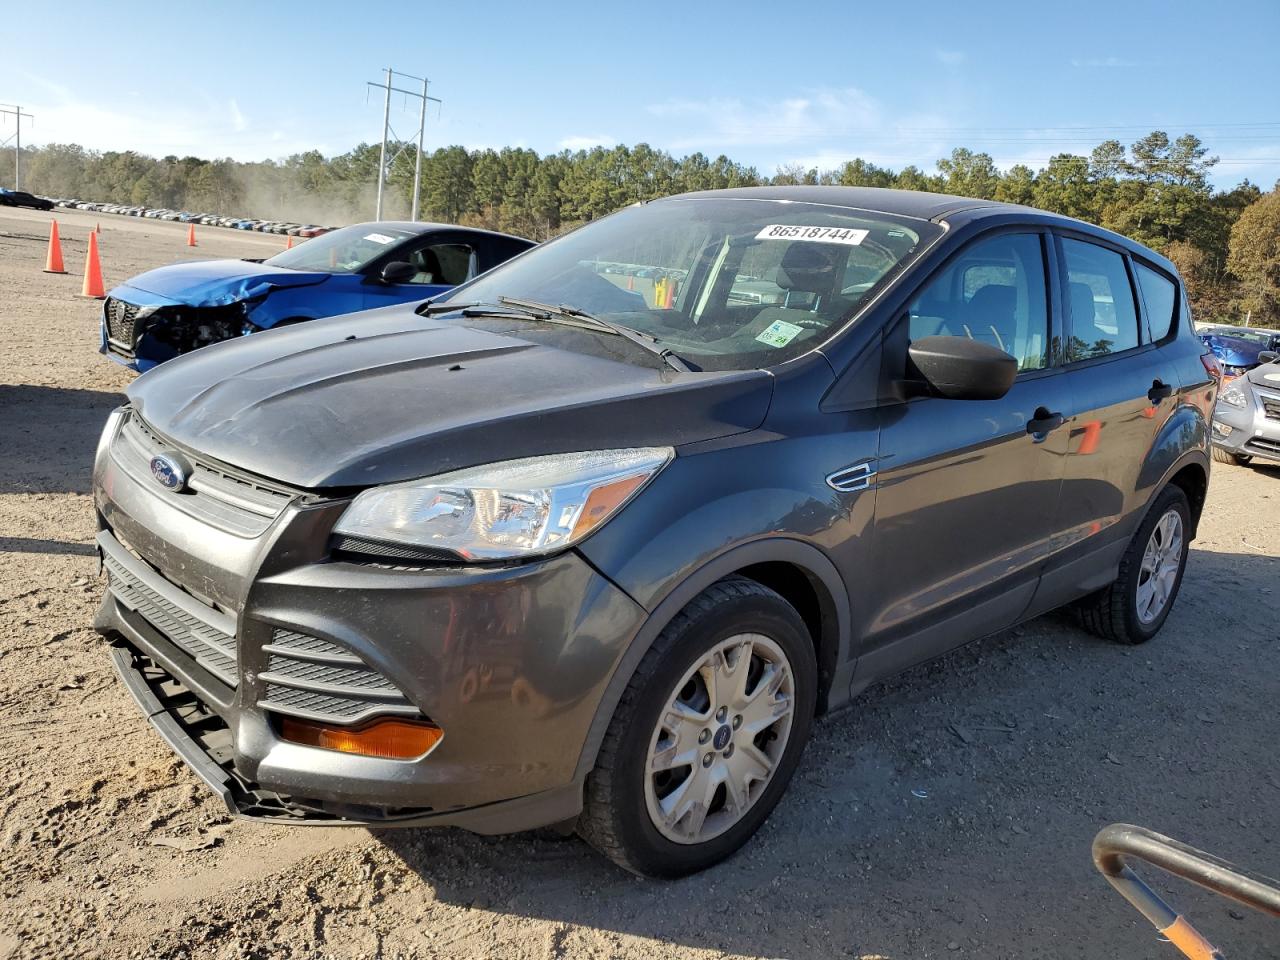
1103, 317
993, 292
1160, 296
442, 263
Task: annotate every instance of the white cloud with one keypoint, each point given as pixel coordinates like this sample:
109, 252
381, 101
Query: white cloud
587, 141
206, 128
951, 58
719, 123
1095, 63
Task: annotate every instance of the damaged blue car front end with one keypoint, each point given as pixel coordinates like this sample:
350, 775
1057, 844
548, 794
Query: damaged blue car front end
174, 310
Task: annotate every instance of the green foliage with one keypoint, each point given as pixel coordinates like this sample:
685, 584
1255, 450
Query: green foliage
1157, 191
1255, 258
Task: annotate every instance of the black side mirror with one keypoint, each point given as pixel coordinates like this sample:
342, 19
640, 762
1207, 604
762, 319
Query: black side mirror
397, 271
958, 368
1268, 356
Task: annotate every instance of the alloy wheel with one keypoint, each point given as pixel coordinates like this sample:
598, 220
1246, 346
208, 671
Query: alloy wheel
1160, 563
722, 733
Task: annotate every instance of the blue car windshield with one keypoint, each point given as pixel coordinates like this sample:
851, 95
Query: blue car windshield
342, 251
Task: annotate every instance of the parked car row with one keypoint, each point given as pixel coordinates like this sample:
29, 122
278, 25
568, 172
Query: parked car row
185, 216
543, 550
1246, 417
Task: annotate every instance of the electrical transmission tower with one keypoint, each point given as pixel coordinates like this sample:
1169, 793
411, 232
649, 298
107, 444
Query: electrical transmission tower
9, 110
389, 135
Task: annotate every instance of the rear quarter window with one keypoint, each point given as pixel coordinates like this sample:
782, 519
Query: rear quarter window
1160, 297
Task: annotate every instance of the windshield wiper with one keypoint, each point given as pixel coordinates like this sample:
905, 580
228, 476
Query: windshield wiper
547, 311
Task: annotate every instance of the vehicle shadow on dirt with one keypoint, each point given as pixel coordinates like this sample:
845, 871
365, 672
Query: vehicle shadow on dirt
952, 808
48, 435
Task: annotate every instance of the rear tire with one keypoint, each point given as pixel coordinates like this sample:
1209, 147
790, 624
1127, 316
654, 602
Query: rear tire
1235, 459
669, 711
1135, 607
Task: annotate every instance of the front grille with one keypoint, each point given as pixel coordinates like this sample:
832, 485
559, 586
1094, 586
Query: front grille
320, 680
1270, 406
232, 502
213, 649
1264, 446
122, 326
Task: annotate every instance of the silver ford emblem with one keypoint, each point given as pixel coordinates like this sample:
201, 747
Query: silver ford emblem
169, 471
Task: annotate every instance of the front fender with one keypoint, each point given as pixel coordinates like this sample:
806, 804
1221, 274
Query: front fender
706, 517
767, 550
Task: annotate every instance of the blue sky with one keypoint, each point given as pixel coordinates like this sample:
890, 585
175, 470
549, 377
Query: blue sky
765, 83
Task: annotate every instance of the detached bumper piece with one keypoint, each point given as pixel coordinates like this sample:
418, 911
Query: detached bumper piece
203, 740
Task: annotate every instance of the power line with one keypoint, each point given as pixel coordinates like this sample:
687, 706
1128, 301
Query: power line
388, 135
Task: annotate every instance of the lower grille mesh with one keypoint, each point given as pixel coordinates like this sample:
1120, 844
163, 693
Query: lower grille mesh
313, 678
211, 648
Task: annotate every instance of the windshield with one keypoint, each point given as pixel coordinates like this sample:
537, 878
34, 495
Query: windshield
723, 283
342, 251
1252, 336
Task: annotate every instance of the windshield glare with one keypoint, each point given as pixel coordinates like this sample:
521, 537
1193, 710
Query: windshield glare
724, 283
342, 251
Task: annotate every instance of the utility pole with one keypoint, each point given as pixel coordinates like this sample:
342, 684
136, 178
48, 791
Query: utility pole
17, 114
389, 135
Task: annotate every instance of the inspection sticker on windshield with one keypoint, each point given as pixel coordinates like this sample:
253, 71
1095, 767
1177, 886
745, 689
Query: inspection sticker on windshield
779, 333
379, 238
787, 231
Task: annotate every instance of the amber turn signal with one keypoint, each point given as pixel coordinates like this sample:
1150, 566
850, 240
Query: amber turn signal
604, 500
388, 738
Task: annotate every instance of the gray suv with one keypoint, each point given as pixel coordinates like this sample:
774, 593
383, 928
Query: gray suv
591, 540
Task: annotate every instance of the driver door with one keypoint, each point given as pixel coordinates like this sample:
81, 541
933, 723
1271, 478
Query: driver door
967, 490
442, 262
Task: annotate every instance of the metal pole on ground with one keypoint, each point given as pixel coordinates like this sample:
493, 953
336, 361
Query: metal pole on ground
382, 156
417, 164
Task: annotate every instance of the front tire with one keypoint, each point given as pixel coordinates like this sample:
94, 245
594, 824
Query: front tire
706, 735
1235, 459
1136, 605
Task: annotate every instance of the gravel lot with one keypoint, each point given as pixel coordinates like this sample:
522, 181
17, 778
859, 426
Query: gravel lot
1024, 745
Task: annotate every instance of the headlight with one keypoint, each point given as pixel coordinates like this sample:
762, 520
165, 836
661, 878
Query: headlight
109, 432
1234, 396
519, 508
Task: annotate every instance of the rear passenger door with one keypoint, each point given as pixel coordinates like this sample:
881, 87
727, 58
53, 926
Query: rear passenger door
1122, 388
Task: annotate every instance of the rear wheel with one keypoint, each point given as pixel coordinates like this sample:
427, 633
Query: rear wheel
1136, 605
707, 734
1226, 456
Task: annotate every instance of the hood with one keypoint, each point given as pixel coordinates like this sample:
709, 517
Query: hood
215, 283
1233, 351
315, 406
1267, 375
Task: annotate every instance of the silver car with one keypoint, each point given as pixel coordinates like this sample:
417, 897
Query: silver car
1246, 420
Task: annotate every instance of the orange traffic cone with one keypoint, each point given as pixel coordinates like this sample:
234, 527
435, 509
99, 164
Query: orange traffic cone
191, 235
53, 262
93, 272
97, 228
288, 244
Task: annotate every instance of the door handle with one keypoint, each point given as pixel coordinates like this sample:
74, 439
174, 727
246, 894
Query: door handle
1159, 391
1044, 421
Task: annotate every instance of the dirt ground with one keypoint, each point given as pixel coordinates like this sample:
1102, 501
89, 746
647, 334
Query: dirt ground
949, 813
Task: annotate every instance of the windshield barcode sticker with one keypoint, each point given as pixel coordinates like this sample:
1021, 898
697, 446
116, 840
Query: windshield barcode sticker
786, 231
379, 238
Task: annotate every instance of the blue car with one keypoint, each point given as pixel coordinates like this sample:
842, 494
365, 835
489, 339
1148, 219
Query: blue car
1238, 355
163, 313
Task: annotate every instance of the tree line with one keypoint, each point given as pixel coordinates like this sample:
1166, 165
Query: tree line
1156, 190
